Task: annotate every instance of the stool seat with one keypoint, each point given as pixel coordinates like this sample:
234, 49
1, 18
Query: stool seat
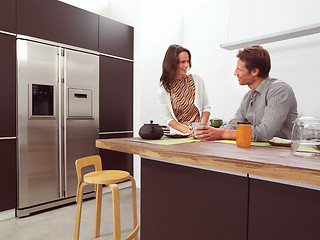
106, 177
109, 178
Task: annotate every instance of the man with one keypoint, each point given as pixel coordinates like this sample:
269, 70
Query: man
270, 105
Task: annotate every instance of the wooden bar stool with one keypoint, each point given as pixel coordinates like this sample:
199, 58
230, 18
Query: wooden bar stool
109, 178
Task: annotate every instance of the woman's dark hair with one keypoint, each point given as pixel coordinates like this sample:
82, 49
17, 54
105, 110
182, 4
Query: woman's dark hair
256, 57
170, 64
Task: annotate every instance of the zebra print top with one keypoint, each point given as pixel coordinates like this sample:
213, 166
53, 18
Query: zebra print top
182, 95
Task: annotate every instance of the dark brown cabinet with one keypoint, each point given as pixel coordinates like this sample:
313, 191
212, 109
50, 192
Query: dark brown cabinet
8, 176
179, 202
112, 160
278, 211
116, 109
115, 38
8, 122
59, 22
8, 16
116, 95
8, 85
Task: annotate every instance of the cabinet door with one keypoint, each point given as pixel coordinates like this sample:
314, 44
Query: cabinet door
116, 95
179, 202
8, 176
112, 160
8, 16
115, 38
278, 211
56, 21
8, 86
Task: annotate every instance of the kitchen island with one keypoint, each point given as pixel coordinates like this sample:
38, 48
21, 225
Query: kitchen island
213, 190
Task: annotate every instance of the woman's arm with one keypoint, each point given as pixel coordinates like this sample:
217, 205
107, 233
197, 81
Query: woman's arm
174, 124
165, 105
205, 117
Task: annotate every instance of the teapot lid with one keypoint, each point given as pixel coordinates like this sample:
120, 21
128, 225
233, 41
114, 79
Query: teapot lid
151, 123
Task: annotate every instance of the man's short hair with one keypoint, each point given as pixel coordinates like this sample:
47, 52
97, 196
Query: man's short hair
256, 57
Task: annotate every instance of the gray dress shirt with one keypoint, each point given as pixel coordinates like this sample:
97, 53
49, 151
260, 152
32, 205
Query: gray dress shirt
270, 109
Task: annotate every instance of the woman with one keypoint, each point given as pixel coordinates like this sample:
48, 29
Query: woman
182, 97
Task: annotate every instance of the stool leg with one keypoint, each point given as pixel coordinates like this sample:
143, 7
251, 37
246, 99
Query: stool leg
78, 214
97, 220
116, 212
134, 204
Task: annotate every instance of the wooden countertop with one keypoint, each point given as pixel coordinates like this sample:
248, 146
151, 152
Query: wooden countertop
277, 163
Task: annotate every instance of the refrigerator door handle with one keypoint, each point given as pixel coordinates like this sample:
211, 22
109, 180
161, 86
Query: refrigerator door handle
60, 60
65, 120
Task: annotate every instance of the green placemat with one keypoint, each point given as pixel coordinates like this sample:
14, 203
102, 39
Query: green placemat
260, 144
173, 141
168, 141
308, 149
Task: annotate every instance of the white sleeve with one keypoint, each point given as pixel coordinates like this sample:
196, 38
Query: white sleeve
202, 101
206, 107
165, 105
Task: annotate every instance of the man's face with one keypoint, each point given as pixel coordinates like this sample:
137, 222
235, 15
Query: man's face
244, 76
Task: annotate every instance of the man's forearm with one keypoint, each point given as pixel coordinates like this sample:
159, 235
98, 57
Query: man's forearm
229, 134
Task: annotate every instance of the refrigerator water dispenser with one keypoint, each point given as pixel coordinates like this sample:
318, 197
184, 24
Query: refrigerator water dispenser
42, 100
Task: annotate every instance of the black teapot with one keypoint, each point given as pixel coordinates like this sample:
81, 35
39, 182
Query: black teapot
151, 131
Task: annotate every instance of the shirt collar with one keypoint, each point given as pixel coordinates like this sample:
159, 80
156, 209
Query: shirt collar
261, 87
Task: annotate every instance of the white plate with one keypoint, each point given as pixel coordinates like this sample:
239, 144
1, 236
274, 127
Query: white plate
281, 142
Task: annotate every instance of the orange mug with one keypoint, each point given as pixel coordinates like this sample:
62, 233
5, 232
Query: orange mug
243, 137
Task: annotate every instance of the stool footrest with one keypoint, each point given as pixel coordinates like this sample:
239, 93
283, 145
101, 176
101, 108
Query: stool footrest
134, 233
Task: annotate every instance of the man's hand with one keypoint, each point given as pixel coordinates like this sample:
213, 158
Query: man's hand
208, 133
211, 133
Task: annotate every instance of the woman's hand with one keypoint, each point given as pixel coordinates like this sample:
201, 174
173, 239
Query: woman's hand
174, 124
186, 129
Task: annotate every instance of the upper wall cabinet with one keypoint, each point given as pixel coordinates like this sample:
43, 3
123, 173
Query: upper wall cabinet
57, 21
8, 16
115, 38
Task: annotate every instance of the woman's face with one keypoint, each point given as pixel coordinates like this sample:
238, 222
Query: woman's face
183, 65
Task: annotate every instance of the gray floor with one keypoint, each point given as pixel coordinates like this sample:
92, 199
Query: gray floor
58, 224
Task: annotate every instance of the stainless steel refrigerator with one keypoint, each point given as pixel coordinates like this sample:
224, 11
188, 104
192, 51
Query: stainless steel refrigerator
57, 120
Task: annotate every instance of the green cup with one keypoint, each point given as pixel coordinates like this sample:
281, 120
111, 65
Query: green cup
216, 122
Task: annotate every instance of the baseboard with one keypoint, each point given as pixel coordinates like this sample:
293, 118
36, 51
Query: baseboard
8, 214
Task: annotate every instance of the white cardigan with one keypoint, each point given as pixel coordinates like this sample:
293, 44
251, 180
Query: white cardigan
201, 100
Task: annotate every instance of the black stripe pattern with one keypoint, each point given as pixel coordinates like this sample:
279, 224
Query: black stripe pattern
182, 95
